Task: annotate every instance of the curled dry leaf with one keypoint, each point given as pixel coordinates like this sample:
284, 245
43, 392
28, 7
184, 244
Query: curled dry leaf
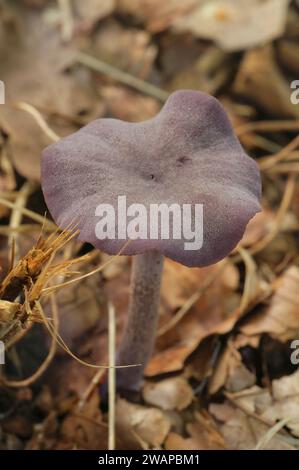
137, 424
281, 317
169, 394
236, 25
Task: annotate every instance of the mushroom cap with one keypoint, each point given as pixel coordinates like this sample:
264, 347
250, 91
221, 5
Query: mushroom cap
186, 154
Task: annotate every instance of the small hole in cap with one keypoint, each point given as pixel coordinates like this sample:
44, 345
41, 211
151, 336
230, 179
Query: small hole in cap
182, 160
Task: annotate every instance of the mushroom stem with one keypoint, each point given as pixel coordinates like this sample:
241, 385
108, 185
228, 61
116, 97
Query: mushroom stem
139, 336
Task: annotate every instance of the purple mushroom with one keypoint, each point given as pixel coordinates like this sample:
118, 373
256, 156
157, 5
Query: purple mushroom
178, 185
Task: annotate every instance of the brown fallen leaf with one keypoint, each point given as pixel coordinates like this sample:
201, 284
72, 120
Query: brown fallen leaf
84, 431
286, 386
240, 341
204, 426
269, 407
285, 404
137, 424
236, 25
202, 435
179, 282
243, 432
281, 317
207, 316
189, 334
210, 313
170, 394
175, 441
36, 65
231, 372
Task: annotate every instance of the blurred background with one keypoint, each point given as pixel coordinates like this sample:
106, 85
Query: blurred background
224, 374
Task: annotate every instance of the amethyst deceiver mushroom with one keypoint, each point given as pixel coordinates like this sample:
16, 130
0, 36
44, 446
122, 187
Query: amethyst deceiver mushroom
187, 154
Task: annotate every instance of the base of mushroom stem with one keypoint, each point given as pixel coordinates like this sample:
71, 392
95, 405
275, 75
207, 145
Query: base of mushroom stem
131, 391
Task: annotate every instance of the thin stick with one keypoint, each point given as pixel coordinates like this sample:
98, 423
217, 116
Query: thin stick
38, 118
111, 376
67, 19
123, 77
268, 126
23, 228
36, 217
285, 168
91, 386
269, 162
12, 255
250, 275
253, 414
265, 439
246, 410
65, 347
